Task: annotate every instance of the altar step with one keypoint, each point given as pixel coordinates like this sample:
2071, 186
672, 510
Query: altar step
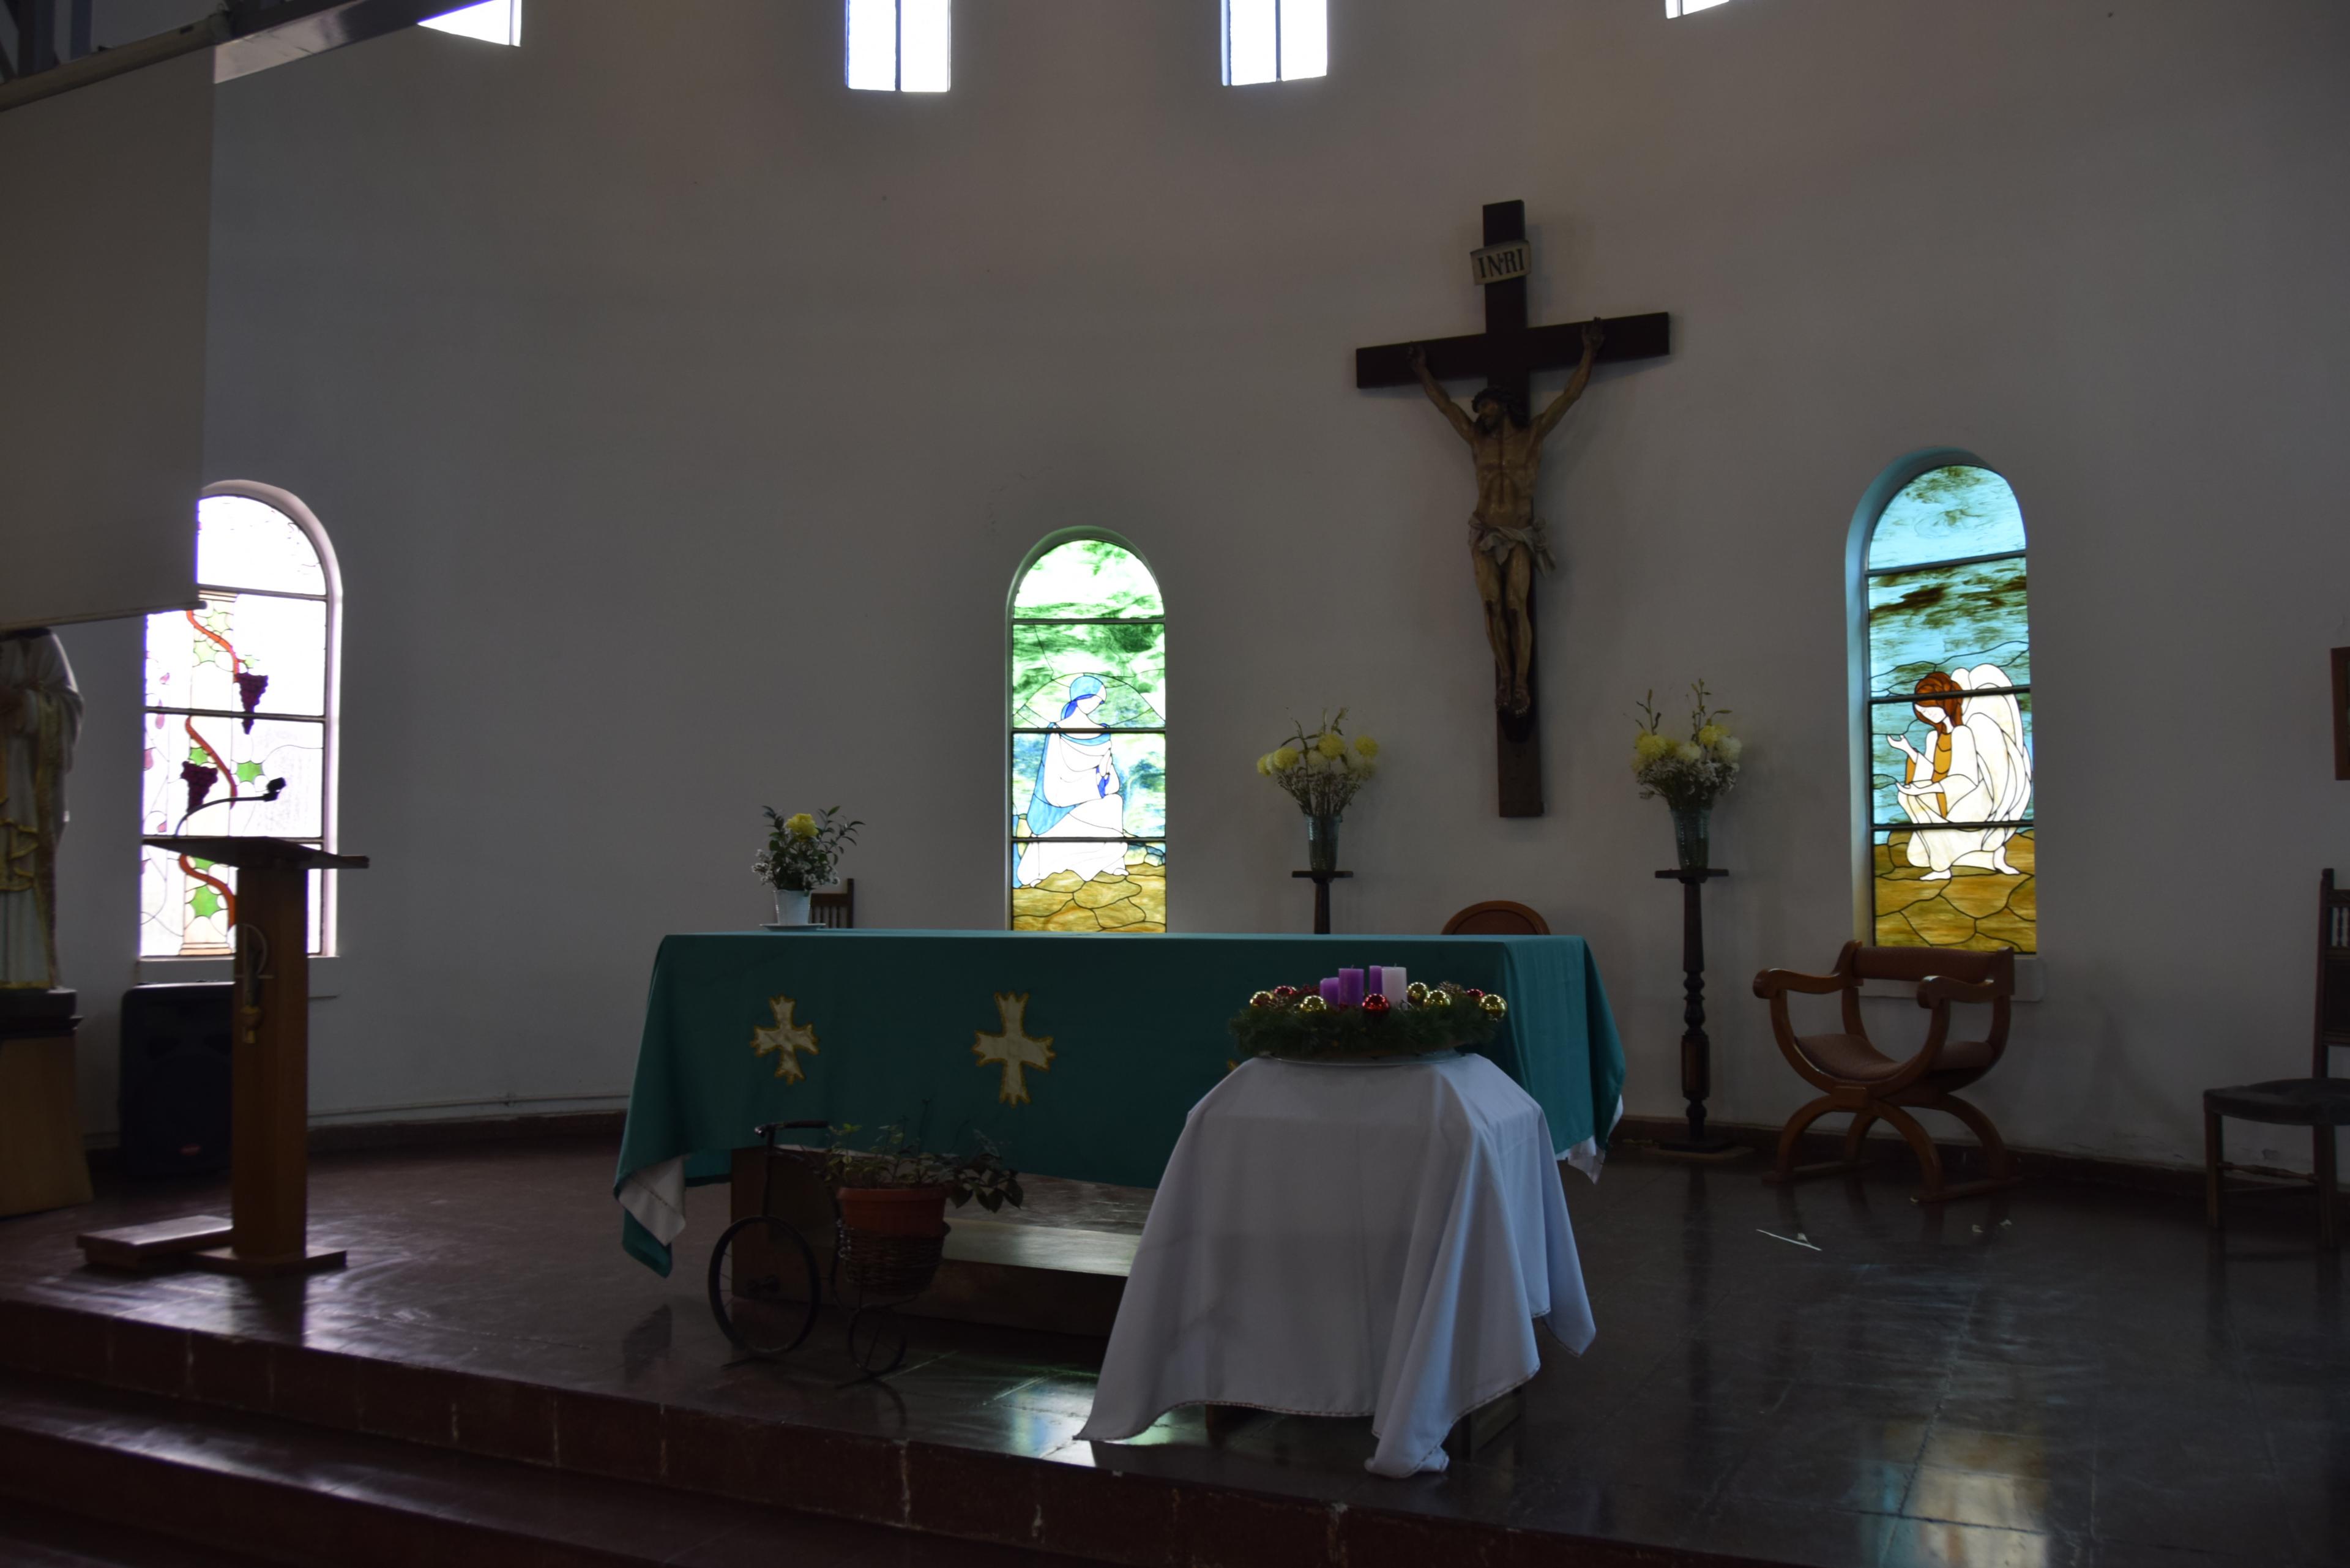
297, 1453
163, 1483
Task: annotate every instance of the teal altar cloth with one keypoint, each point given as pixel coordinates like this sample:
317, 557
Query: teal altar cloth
1078, 1055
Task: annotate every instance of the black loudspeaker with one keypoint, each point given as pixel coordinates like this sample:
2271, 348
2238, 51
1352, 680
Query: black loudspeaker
174, 1098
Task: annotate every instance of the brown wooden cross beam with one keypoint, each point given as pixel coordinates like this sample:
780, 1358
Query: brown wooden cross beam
1505, 355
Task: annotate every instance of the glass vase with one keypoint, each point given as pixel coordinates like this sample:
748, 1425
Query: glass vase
1691, 825
1322, 843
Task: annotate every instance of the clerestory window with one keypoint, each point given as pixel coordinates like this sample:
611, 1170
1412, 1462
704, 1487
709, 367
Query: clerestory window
1276, 40
492, 22
900, 46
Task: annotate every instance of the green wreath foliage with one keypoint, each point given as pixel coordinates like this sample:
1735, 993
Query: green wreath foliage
1291, 1033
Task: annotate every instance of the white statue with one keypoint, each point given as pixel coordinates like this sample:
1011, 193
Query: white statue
1979, 771
41, 718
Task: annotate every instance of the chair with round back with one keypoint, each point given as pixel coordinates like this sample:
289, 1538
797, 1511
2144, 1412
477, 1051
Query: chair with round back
1497, 918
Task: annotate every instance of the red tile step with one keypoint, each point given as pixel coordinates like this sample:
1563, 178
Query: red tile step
216, 1482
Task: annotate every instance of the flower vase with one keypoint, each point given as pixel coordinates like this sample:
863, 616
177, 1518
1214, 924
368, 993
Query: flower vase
1322, 843
791, 906
1691, 825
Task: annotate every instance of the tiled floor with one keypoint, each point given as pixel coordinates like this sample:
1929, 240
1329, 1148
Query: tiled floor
2073, 1377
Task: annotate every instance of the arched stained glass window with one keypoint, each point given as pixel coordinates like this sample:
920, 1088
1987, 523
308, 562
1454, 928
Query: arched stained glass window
1088, 743
240, 715
1951, 842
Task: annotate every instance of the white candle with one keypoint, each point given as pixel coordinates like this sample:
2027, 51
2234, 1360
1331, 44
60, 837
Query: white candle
1391, 984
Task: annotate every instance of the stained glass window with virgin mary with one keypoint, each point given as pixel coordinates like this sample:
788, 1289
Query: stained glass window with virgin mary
1953, 844
1088, 743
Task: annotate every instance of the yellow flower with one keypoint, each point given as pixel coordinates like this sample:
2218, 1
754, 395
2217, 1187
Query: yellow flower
1264, 764
1366, 746
1649, 747
1728, 748
1712, 735
1285, 759
800, 825
1690, 751
1330, 745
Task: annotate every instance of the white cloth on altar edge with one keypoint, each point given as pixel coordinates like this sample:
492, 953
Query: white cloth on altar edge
1336, 1240
656, 1197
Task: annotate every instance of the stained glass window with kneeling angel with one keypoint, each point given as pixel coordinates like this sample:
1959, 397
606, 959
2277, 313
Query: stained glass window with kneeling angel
1088, 743
1952, 843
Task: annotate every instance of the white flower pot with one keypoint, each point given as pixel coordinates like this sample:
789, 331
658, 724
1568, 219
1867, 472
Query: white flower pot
791, 906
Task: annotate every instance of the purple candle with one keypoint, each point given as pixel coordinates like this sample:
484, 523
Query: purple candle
1371, 983
1350, 988
1330, 991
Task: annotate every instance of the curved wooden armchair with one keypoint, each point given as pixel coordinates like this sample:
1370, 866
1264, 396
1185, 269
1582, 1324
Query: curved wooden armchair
1497, 918
1856, 1076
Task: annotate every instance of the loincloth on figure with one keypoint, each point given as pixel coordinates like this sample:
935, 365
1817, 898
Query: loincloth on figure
1500, 542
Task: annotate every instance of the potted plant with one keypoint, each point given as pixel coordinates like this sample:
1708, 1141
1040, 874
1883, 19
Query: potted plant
801, 852
893, 1197
1322, 773
1689, 774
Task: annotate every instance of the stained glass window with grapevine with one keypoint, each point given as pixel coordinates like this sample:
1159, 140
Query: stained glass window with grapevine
237, 722
1088, 743
1953, 846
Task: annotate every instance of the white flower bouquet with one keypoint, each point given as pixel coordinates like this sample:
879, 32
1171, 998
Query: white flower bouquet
1323, 771
1691, 774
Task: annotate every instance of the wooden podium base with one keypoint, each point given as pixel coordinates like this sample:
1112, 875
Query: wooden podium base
152, 1249
197, 1241
227, 1261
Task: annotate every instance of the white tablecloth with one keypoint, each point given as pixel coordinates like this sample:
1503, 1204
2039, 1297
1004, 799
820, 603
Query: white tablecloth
1349, 1241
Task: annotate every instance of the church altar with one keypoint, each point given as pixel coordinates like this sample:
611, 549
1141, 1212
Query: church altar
1079, 1056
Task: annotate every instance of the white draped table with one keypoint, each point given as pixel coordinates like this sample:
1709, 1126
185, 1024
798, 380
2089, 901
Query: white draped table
1349, 1241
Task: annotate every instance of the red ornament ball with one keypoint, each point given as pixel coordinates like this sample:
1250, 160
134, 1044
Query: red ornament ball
1375, 1006
1284, 992
1472, 994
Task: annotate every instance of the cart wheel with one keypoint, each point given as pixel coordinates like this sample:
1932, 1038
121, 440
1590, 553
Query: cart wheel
764, 1287
877, 1343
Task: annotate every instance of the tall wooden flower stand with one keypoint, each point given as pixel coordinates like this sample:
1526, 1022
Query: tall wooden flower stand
1697, 1049
269, 1160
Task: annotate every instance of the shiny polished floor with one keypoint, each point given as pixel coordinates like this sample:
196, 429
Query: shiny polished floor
1826, 1374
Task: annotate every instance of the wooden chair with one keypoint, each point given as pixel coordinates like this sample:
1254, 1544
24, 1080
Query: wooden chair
2319, 1102
1858, 1077
838, 910
1497, 918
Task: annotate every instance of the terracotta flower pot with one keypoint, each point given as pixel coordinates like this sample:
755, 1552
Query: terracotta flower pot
894, 1210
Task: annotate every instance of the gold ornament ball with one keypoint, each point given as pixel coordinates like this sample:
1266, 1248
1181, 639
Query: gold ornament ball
1312, 1005
1437, 999
1494, 1006
1265, 999
1416, 992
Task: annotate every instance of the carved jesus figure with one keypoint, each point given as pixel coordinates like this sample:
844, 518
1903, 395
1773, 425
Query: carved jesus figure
1506, 539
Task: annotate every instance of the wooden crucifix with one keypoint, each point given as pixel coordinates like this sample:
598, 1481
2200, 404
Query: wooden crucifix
1507, 539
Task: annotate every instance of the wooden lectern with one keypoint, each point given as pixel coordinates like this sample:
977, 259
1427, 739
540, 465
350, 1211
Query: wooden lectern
269, 1154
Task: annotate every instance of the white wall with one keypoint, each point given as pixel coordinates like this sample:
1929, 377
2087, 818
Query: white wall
680, 417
